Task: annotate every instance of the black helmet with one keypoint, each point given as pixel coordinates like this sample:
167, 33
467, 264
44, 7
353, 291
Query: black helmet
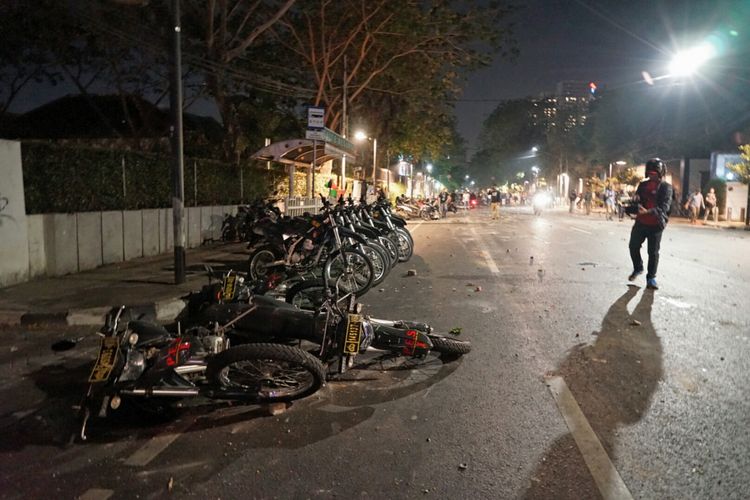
656, 165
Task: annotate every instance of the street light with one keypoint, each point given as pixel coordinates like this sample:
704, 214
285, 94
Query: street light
360, 135
687, 62
429, 167
619, 163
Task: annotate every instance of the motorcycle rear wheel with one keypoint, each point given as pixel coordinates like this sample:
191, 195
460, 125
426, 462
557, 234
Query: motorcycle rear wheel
272, 372
259, 261
445, 345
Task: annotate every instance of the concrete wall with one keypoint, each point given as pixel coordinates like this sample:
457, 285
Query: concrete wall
112, 233
14, 248
58, 244
736, 201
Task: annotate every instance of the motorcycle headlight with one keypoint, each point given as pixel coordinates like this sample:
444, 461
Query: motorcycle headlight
135, 363
368, 333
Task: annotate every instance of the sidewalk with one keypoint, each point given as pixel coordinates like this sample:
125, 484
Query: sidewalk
84, 298
599, 212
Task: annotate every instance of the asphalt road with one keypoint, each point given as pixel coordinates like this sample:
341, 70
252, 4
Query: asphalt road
578, 385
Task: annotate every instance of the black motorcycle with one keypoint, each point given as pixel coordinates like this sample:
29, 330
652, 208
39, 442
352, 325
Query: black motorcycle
143, 361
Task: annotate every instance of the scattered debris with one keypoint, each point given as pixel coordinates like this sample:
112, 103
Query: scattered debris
170, 484
722, 358
469, 284
507, 250
577, 335
429, 440
411, 272
478, 289
425, 491
635, 322
604, 361
454, 289
455, 331
381, 290
13, 348
276, 408
462, 466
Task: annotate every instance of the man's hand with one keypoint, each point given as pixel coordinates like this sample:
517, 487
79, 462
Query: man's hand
642, 210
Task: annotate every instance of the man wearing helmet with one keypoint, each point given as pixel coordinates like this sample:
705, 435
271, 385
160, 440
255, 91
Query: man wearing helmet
654, 196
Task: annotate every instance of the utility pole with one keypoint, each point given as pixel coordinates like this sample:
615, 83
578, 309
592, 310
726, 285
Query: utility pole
178, 180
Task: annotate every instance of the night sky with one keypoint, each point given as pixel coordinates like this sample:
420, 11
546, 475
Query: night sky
607, 41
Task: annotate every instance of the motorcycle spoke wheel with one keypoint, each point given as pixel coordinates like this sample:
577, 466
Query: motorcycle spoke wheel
267, 372
259, 263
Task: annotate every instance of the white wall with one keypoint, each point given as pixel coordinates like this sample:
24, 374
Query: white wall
14, 248
736, 200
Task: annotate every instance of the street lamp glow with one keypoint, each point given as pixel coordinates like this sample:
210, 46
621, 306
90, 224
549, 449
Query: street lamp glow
467, 177
687, 62
621, 162
472, 183
429, 167
534, 149
535, 169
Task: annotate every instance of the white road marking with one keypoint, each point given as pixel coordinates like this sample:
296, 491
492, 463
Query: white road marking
96, 494
677, 303
580, 230
483, 250
607, 479
143, 455
415, 227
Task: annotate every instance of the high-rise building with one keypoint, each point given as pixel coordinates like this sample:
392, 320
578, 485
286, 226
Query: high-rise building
567, 108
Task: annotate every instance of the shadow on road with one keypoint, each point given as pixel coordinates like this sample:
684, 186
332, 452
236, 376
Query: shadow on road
613, 381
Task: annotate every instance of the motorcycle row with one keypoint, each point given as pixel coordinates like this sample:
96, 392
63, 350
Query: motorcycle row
274, 332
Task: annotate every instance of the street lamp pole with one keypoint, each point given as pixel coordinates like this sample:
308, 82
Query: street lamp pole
178, 181
374, 158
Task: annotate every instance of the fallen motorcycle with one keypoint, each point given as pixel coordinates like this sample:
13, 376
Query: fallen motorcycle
141, 360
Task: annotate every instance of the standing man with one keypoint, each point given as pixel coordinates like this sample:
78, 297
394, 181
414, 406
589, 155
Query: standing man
654, 197
572, 197
711, 207
694, 204
609, 202
495, 203
443, 198
587, 200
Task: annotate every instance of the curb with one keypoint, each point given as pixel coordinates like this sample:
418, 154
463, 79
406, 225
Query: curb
164, 311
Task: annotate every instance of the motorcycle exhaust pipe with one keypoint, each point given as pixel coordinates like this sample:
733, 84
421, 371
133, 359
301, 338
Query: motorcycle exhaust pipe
172, 392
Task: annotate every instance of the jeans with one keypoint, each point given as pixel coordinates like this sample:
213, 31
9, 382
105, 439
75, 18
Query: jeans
653, 234
714, 211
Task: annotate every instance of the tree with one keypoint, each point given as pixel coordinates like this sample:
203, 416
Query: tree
399, 62
508, 135
742, 170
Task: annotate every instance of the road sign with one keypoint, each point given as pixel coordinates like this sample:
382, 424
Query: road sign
315, 135
316, 118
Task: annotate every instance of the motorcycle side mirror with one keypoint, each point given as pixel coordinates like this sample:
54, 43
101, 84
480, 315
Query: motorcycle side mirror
65, 344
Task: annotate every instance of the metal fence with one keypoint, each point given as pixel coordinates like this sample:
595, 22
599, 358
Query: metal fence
297, 205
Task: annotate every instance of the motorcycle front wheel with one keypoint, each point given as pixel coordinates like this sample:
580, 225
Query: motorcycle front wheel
267, 372
351, 270
445, 345
308, 295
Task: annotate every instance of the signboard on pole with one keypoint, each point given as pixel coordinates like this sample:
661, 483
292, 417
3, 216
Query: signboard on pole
316, 118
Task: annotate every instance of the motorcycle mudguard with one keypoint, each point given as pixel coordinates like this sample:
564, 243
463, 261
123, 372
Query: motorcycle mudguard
348, 233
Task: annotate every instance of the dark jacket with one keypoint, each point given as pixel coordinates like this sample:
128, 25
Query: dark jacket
656, 197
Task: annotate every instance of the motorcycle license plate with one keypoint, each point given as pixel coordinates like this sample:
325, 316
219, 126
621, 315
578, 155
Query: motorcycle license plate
106, 360
229, 286
353, 334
